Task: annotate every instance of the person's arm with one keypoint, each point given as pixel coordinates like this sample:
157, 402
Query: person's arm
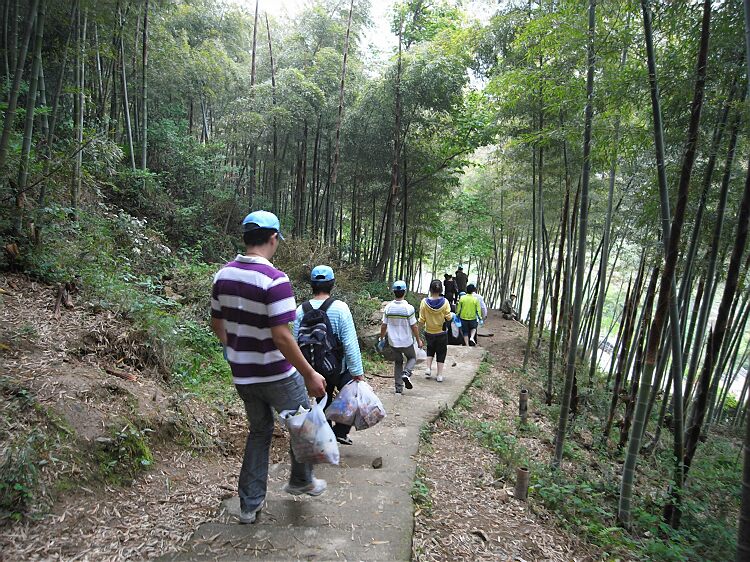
281, 310
348, 337
458, 307
217, 316
447, 314
217, 325
422, 314
297, 322
415, 329
287, 345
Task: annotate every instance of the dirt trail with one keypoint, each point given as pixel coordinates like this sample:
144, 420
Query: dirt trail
473, 515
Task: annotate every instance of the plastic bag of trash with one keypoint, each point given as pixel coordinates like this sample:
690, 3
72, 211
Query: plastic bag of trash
344, 406
311, 437
370, 409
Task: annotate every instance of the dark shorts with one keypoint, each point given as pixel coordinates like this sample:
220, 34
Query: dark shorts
468, 325
437, 346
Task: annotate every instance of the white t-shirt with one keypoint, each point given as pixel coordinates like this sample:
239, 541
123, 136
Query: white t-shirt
399, 317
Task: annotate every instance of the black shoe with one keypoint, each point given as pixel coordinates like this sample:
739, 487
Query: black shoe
407, 381
344, 440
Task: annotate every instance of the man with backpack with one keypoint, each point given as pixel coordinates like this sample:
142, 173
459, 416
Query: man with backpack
325, 332
252, 304
400, 325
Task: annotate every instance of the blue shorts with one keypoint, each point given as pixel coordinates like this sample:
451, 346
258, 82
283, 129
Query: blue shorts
467, 326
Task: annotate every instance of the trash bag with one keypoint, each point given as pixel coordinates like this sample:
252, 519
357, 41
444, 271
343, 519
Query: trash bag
383, 347
311, 437
344, 406
455, 330
420, 353
370, 409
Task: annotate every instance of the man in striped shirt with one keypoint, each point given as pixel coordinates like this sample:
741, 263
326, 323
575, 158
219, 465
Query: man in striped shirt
251, 306
400, 326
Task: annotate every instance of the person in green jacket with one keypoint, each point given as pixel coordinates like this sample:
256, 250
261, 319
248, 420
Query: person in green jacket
470, 312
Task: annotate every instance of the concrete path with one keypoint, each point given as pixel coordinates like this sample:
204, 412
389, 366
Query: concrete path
366, 513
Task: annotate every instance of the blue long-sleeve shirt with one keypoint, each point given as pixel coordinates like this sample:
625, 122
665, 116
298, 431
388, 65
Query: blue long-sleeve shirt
343, 327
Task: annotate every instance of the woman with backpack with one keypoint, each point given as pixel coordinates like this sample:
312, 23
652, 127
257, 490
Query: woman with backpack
434, 312
325, 332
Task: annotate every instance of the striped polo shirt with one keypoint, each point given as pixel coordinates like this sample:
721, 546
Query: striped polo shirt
252, 296
399, 317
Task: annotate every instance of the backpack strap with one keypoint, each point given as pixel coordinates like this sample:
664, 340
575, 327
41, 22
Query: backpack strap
306, 307
326, 304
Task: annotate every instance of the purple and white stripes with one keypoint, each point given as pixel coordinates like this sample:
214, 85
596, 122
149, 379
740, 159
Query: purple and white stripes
252, 296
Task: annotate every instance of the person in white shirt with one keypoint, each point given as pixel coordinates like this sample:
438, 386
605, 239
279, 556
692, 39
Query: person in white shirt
400, 325
483, 306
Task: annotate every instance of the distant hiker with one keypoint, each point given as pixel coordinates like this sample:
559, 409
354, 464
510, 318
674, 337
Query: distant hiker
434, 312
450, 288
461, 279
482, 306
469, 311
399, 325
251, 306
508, 308
335, 354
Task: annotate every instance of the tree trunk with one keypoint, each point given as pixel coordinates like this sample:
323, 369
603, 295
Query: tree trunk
125, 103
581, 258
23, 169
667, 301
75, 190
380, 268
144, 90
10, 110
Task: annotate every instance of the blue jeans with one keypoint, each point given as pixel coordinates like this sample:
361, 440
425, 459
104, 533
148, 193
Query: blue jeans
259, 398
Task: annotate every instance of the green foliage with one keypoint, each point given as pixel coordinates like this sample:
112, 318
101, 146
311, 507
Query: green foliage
124, 455
19, 475
420, 492
201, 367
32, 439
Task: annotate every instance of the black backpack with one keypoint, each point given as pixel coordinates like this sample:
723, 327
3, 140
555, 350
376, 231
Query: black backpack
318, 343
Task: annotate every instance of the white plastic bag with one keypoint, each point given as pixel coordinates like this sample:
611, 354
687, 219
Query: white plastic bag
344, 406
455, 330
312, 438
420, 353
370, 409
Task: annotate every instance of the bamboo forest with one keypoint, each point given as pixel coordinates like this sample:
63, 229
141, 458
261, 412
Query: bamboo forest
573, 173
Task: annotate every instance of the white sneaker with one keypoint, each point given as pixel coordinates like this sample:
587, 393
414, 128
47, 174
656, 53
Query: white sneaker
316, 487
440, 378
428, 374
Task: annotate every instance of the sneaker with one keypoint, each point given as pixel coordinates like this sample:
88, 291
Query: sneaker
248, 517
428, 374
407, 381
440, 378
344, 440
472, 343
399, 391
314, 488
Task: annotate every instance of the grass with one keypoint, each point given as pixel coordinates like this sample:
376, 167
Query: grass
584, 496
125, 454
420, 492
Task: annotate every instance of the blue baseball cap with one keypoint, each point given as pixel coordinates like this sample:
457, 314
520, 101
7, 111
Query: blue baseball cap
262, 219
322, 273
398, 286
